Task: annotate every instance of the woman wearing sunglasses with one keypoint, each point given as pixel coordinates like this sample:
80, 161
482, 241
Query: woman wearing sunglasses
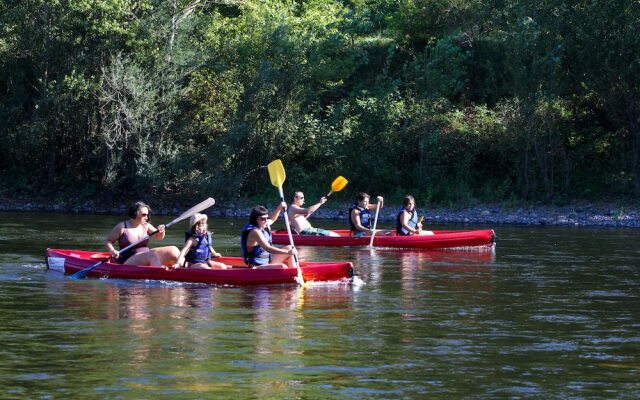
133, 229
255, 240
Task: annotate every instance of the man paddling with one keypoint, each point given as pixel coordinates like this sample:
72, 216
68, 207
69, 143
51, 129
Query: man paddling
298, 216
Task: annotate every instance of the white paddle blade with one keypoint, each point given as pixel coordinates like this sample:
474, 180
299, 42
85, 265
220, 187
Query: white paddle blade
195, 209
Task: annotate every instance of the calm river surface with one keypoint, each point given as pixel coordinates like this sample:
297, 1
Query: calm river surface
550, 313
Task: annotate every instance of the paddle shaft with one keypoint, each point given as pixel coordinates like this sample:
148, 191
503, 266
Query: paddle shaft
375, 223
82, 273
277, 176
286, 222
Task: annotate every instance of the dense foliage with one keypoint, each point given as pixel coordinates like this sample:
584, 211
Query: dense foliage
450, 100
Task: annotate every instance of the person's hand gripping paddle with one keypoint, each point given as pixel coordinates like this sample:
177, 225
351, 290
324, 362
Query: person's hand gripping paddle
195, 209
277, 176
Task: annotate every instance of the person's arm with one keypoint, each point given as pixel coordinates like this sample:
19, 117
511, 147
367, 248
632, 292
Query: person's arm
276, 213
294, 210
404, 221
315, 207
355, 218
185, 249
258, 238
296, 213
159, 235
112, 237
380, 200
214, 253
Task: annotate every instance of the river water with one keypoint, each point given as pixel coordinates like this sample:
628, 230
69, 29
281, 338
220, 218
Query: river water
551, 312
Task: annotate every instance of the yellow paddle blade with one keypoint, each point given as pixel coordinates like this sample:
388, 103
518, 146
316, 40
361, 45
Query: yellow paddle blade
338, 184
276, 173
421, 219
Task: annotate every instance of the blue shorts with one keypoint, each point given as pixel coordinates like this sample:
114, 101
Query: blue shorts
315, 232
359, 234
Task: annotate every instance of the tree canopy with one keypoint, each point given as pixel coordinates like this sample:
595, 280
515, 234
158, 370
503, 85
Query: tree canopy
449, 100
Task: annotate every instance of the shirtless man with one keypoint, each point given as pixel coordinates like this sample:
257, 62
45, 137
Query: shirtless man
298, 216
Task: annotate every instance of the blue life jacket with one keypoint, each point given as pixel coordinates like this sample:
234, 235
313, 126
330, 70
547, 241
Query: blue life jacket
258, 255
365, 217
413, 222
199, 253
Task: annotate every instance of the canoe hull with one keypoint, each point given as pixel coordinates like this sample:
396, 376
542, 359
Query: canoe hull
439, 240
71, 261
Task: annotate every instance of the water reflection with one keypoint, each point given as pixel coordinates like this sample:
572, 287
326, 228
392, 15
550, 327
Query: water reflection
551, 313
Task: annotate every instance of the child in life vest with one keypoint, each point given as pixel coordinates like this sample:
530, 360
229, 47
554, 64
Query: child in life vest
198, 246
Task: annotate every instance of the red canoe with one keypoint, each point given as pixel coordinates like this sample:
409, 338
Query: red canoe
71, 261
439, 240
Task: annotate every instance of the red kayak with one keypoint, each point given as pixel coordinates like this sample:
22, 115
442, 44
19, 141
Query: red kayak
439, 240
71, 261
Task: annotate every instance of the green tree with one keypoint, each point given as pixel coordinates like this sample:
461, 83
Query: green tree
607, 36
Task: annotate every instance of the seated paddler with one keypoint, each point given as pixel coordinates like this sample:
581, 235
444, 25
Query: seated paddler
407, 223
132, 230
198, 251
361, 218
256, 242
298, 215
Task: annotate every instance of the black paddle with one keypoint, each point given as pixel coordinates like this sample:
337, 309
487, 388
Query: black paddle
195, 209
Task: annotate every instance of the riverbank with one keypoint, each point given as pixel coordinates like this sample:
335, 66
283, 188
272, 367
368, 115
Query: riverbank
578, 214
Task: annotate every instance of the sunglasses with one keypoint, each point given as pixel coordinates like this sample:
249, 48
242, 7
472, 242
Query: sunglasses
144, 215
263, 218
300, 197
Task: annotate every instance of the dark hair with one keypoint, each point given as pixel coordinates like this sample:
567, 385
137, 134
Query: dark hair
293, 195
256, 212
407, 199
135, 207
362, 196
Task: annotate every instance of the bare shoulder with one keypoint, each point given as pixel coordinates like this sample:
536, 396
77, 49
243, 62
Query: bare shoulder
253, 234
116, 231
118, 227
294, 209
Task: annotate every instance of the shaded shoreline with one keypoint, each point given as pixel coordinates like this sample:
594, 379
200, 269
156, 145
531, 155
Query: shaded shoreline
579, 214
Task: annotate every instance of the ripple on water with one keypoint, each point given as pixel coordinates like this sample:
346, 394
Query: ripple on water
608, 293
616, 339
38, 376
603, 357
548, 345
565, 319
518, 390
